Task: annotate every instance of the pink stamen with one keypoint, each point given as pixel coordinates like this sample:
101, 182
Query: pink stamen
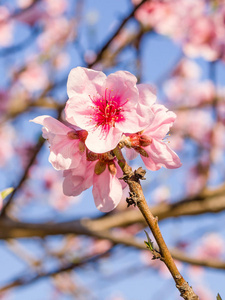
107, 110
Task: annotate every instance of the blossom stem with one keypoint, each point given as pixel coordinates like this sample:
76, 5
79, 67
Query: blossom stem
133, 181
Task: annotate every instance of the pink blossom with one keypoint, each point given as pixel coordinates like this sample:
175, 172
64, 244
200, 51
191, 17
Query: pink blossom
55, 7
101, 112
104, 106
99, 246
34, 77
82, 168
155, 153
24, 3
104, 176
107, 189
196, 124
7, 135
65, 143
56, 31
187, 68
212, 246
78, 179
159, 153
189, 92
6, 27
61, 60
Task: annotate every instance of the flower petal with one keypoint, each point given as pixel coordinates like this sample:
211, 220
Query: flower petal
84, 81
161, 123
99, 141
131, 153
147, 94
64, 152
78, 111
52, 125
122, 84
107, 191
133, 122
79, 179
160, 155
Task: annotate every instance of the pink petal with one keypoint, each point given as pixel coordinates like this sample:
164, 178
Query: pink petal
162, 122
99, 141
160, 155
123, 84
147, 94
133, 122
84, 81
131, 153
79, 179
107, 191
72, 185
52, 125
64, 152
79, 110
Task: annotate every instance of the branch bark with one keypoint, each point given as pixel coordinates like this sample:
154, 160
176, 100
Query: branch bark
137, 196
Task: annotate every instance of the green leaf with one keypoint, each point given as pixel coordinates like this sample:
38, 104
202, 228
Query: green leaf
149, 243
218, 297
6, 192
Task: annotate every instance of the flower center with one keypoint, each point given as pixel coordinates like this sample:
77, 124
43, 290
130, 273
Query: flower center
107, 110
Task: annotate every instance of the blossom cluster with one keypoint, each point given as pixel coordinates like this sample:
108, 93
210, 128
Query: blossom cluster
200, 31
103, 113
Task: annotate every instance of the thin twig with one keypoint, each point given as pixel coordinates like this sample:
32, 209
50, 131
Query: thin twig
136, 192
123, 23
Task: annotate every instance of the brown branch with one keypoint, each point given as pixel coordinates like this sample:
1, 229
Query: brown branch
14, 229
120, 27
125, 240
26, 280
137, 196
210, 202
36, 150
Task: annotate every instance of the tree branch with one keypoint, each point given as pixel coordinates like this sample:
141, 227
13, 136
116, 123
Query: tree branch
137, 196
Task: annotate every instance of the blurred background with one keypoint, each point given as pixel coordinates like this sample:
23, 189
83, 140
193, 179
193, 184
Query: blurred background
46, 251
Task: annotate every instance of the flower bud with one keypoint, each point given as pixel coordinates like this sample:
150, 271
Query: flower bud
72, 135
82, 135
91, 156
81, 146
100, 167
134, 139
112, 168
145, 140
141, 151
